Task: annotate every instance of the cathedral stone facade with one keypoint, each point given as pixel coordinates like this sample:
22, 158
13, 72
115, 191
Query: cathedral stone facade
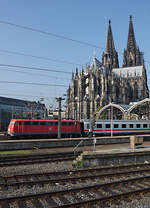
104, 81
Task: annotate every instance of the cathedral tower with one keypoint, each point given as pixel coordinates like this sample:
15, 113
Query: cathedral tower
110, 56
132, 55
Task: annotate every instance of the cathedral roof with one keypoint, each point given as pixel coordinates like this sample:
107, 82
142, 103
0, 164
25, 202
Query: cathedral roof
134, 71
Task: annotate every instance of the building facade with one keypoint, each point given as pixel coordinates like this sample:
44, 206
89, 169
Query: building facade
16, 108
104, 81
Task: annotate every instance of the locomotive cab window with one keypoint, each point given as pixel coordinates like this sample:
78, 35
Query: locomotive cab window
123, 125
16, 123
107, 126
99, 125
131, 125
138, 125
12, 122
144, 125
116, 126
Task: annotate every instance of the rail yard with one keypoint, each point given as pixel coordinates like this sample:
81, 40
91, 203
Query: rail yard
58, 184
49, 177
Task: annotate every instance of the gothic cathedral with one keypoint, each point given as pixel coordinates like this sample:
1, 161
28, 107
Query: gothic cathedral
104, 82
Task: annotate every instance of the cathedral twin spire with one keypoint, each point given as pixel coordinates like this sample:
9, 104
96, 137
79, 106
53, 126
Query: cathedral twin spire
132, 55
110, 57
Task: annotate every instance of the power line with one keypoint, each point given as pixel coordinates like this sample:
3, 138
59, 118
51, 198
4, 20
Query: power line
49, 33
32, 83
39, 57
33, 74
24, 95
34, 68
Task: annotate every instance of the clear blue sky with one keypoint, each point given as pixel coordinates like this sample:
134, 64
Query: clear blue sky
84, 20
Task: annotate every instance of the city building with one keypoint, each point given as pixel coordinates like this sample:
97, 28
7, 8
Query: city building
16, 108
104, 81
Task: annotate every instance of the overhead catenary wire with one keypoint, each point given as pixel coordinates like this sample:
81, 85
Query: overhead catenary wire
23, 95
34, 68
49, 33
33, 83
22, 72
39, 57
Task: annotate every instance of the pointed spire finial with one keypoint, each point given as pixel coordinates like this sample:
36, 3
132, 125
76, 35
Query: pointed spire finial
131, 44
110, 42
94, 53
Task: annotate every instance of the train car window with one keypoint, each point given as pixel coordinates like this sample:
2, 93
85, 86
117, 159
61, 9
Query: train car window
35, 123
138, 125
64, 123
107, 126
55, 123
49, 123
144, 125
27, 123
19, 123
70, 123
123, 125
99, 125
116, 126
131, 125
42, 123
87, 126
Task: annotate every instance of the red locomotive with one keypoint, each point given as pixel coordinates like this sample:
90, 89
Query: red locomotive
47, 128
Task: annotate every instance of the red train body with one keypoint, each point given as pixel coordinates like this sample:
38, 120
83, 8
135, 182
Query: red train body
26, 127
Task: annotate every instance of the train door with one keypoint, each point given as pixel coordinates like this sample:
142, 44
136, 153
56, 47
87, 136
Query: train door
82, 128
20, 127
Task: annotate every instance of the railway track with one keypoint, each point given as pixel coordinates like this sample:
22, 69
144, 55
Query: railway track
85, 196
112, 184
36, 159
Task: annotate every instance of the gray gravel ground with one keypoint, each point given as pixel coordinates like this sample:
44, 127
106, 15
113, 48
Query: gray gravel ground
143, 202
36, 168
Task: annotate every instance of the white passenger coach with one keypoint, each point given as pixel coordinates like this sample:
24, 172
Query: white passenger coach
118, 127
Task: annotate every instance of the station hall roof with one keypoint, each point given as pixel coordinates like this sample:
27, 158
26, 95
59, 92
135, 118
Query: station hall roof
125, 108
